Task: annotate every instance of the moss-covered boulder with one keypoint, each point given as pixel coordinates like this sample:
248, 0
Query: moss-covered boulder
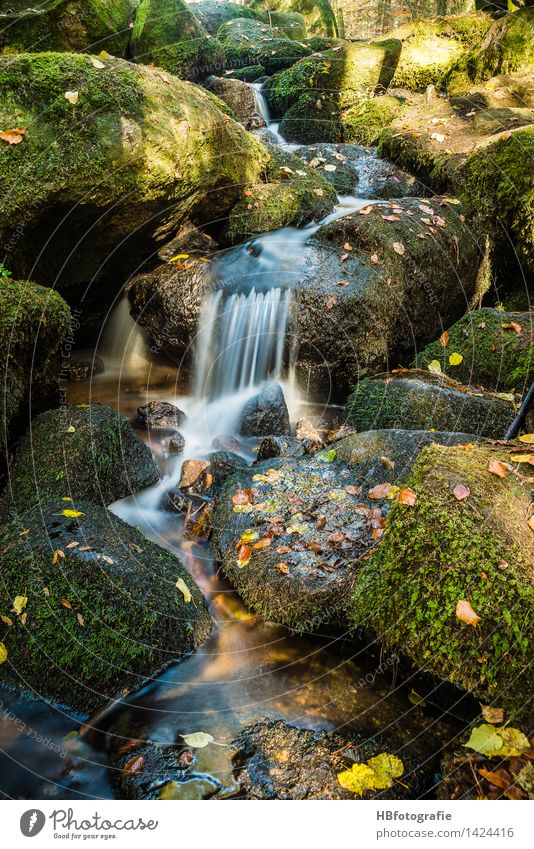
249, 74
423, 401
318, 15
99, 612
291, 193
80, 451
497, 349
450, 585
364, 122
275, 760
248, 42
212, 14
507, 48
33, 322
67, 25
168, 35
431, 47
291, 533
113, 172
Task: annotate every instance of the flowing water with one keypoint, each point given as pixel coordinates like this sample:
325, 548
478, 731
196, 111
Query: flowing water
247, 668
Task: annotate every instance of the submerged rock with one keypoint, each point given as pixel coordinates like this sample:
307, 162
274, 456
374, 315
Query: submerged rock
422, 401
80, 451
278, 761
266, 414
450, 584
84, 364
161, 414
101, 613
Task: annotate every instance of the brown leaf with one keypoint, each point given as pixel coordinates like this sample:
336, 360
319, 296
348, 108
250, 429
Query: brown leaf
365, 210
263, 543
313, 546
497, 468
73, 544
389, 464
444, 339
344, 283
133, 766
399, 248
13, 136
406, 496
242, 496
283, 567
66, 603
493, 715
512, 325
80, 619
244, 554
57, 553
320, 523
6, 620
465, 613
379, 491
336, 538
461, 491
331, 302
352, 490
500, 777
283, 549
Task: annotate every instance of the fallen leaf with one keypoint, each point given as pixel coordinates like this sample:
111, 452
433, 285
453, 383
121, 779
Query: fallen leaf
336, 538
523, 458
378, 774
243, 556
283, 567
434, 367
461, 492
72, 97
134, 765
57, 553
13, 136
365, 210
455, 359
416, 699
3, 653
80, 619
331, 302
484, 739
465, 613
494, 715
247, 536
359, 779
389, 464
344, 283
444, 339
406, 496
73, 544
512, 325
6, 620
19, 603
96, 63
263, 543
184, 589
330, 167
497, 468
527, 437
399, 248
327, 456
72, 514
379, 491
65, 603
242, 496
198, 740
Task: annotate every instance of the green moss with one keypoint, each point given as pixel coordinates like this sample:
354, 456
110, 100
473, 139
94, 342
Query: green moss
312, 119
441, 551
248, 42
508, 48
494, 356
249, 74
318, 15
68, 25
33, 321
364, 123
134, 620
101, 460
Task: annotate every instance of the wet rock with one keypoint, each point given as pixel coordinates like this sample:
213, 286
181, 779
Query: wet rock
278, 761
205, 477
266, 414
311, 519
28, 312
471, 546
239, 97
83, 365
280, 446
161, 414
227, 442
190, 240
339, 432
497, 349
420, 400
80, 451
191, 472
103, 613
223, 464
176, 444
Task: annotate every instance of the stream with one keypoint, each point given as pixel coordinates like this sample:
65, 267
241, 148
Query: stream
247, 668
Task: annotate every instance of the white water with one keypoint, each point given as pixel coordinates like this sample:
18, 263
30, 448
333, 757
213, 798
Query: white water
123, 346
262, 108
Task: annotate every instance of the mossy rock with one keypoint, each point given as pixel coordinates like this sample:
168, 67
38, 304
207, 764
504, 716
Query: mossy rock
249, 74
443, 550
497, 120
212, 14
67, 25
249, 42
424, 401
312, 119
135, 156
286, 198
507, 48
364, 122
102, 617
33, 322
318, 15
431, 48
319, 43
497, 349
279, 53
101, 459
168, 35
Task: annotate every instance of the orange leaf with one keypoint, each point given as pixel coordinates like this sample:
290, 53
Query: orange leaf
263, 543
242, 496
513, 325
497, 468
336, 538
13, 136
134, 765
283, 567
244, 554
65, 603
331, 302
465, 613
379, 491
406, 496
444, 339
365, 210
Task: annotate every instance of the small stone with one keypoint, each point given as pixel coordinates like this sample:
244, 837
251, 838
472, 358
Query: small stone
191, 472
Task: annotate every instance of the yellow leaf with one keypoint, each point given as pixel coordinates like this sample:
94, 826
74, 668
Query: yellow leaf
522, 458
80, 619
513, 743
72, 514
434, 367
178, 256
184, 589
72, 97
386, 768
6, 620
19, 604
71, 429
197, 740
359, 779
492, 714
455, 359
527, 437
3, 653
484, 739
248, 536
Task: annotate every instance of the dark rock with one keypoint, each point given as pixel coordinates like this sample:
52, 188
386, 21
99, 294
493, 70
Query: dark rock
82, 365
421, 400
176, 444
239, 96
104, 615
192, 470
280, 446
161, 414
266, 414
227, 443
189, 239
278, 761
80, 452
223, 464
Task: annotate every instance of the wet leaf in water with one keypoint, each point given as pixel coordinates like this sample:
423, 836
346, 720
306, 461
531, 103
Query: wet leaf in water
386, 768
133, 766
465, 613
359, 779
198, 740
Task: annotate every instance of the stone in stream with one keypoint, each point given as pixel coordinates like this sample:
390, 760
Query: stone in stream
497, 349
280, 446
312, 520
265, 414
84, 364
275, 760
239, 97
227, 442
422, 401
79, 451
190, 240
176, 444
205, 477
99, 610
161, 414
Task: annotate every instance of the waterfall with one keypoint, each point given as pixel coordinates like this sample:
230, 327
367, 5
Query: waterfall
260, 102
240, 341
123, 344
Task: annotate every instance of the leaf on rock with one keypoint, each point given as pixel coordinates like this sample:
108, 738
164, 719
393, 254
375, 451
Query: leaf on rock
493, 715
243, 556
444, 339
434, 367
379, 491
283, 568
399, 248
242, 496
406, 496
263, 543
198, 740
72, 514
3, 653
184, 589
248, 536
133, 766
359, 779
465, 613
386, 768
365, 210
19, 603
327, 456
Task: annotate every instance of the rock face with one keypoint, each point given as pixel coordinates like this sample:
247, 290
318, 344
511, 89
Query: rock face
80, 451
290, 532
239, 97
67, 25
423, 401
442, 551
280, 446
33, 321
497, 349
506, 48
100, 186
168, 35
364, 122
278, 761
103, 612
266, 414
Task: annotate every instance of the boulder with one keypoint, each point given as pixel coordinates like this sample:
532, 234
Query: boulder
278, 761
239, 97
497, 349
291, 533
80, 451
99, 189
364, 122
249, 74
212, 14
450, 584
82, 365
280, 446
265, 414
249, 42
421, 400
33, 322
161, 414
84, 637
67, 25
506, 48
176, 444
168, 35
318, 15
205, 477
